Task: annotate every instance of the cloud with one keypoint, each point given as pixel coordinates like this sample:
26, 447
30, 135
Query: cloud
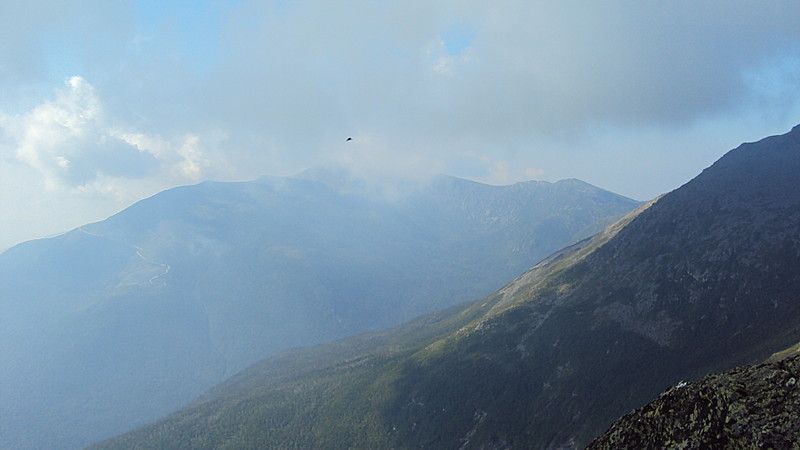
193, 163
71, 158
502, 173
368, 165
67, 140
186, 158
556, 68
297, 73
294, 79
633, 96
74, 143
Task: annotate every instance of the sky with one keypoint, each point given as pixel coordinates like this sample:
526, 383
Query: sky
105, 103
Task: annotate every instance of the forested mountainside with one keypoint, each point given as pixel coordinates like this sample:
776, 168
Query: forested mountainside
701, 280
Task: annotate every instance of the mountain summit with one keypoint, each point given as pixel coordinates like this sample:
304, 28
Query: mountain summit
703, 279
122, 321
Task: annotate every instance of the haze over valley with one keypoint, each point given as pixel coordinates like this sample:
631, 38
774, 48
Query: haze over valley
122, 321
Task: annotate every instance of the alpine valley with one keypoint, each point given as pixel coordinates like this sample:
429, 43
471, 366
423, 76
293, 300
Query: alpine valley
700, 280
120, 322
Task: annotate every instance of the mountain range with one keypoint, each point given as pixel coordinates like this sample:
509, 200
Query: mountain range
119, 322
700, 280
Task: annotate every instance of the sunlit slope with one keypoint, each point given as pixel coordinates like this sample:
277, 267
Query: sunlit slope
705, 278
120, 322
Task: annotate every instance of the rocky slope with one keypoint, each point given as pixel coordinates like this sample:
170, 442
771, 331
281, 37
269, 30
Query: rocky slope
748, 407
704, 279
120, 322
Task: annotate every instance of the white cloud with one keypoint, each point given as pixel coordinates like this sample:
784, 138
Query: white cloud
193, 163
633, 96
68, 140
155, 145
502, 172
72, 152
74, 143
371, 160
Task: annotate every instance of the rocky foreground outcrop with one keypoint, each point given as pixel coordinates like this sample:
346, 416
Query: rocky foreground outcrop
748, 407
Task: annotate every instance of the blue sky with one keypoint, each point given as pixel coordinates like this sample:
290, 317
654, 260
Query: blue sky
104, 103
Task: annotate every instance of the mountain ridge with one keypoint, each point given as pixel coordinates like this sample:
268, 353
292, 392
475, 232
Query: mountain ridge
161, 301
703, 279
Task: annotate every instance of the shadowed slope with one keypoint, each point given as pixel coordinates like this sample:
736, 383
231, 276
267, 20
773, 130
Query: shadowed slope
748, 407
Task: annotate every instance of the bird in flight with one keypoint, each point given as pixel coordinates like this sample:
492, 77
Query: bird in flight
349, 139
